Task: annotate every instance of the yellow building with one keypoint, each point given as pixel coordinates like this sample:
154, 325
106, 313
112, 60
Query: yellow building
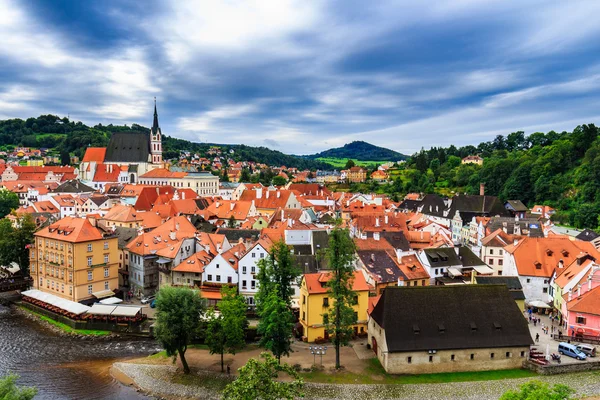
315, 301
35, 163
75, 260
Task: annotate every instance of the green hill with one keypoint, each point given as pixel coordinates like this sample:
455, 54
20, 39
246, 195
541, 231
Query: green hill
64, 135
362, 151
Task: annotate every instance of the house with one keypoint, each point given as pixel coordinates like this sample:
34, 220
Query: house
221, 271
446, 265
492, 250
516, 208
512, 283
588, 235
543, 211
472, 160
583, 317
269, 201
357, 174
571, 278
436, 329
227, 211
379, 176
248, 267
74, 260
315, 305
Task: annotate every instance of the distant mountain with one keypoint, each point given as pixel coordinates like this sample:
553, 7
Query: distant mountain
362, 151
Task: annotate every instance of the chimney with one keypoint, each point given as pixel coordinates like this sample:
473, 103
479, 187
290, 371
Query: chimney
172, 235
267, 194
177, 226
217, 204
259, 193
561, 264
347, 203
278, 194
589, 285
570, 296
386, 219
579, 292
231, 206
482, 189
377, 221
515, 242
456, 250
182, 195
376, 235
282, 214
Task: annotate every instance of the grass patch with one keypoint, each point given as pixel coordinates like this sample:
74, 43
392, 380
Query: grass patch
206, 380
66, 328
375, 374
341, 162
159, 356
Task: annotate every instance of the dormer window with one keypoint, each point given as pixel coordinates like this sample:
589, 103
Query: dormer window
497, 326
538, 265
549, 252
441, 328
416, 329
565, 253
473, 327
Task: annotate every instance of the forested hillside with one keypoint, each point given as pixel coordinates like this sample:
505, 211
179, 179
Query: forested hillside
360, 150
64, 135
556, 169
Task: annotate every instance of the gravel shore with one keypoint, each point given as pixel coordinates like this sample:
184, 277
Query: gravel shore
157, 379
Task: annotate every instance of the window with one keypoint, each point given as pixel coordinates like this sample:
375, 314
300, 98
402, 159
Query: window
253, 255
106, 272
491, 355
218, 278
106, 285
326, 302
423, 282
90, 247
209, 277
90, 289
243, 270
253, 284
452, 357
528, 280
217, 265
430, 358
436, 271
499, 273
32, 267
472, 356
545, 290
262, 255
71, 290
89, 261
303, 316
491, 261
106, 258
500, 262
253, 269
70, 276
243, 284
409, 360
581, 320
303, 299
325, 319
508, 354
90, 275
229, 279
522, 354
491, 251
105, 245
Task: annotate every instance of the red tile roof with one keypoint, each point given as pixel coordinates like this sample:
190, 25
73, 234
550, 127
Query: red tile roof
96, 154
316, 283
71, 229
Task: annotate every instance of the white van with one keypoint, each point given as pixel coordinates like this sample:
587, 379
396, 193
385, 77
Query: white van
571, 350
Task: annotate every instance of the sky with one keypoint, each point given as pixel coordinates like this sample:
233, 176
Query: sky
304, 76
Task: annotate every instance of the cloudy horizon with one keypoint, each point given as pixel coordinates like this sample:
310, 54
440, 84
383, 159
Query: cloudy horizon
302, 77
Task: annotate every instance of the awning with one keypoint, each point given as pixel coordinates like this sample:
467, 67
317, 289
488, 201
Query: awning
483, 269
164, 260
102, 294
67, 305
111, 300
101, 309
211, 295
126, 311
454, 271
538, 304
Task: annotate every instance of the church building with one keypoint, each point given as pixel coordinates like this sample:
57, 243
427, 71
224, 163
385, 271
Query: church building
127, 156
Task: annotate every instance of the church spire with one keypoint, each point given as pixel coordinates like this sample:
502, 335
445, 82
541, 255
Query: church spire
155, 124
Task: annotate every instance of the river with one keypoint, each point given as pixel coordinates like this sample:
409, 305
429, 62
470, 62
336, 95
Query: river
64, 367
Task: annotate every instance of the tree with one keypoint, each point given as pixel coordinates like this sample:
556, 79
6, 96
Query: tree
349, 164
536, 390
341, 316
277, 272
178, 320
21, 238
276, 324
279, 180
225, 333
65, 157
245, 176
10, 391
231, 223
224, 175
257, 381
8, 201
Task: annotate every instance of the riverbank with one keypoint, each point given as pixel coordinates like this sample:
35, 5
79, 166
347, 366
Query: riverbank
167, 382
59, 327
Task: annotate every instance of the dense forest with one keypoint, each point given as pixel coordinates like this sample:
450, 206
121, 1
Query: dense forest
360, 150
66, 136
557, 169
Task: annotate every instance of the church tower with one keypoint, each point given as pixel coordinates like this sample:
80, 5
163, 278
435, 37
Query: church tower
155, 140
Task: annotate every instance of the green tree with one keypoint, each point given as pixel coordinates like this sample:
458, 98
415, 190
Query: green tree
277, 272
258, 381
245, 176
341, 315
225, 333
65, 157
21, 238
178, 320
10, 391
536, 390
276, 324
232, 222
224, 176
349, 164
279, 180
8, 201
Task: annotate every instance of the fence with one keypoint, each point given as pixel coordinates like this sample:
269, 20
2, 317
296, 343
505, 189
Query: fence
581, 338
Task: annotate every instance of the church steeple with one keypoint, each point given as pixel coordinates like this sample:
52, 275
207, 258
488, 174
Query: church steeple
155, 139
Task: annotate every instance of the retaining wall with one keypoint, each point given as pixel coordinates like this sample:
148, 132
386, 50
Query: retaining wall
555, 369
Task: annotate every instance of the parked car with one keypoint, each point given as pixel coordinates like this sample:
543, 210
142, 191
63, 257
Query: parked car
588, 349
148, 299
571, 350
153, 304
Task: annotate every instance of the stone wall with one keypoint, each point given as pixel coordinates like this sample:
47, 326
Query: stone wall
454, 360
555, 369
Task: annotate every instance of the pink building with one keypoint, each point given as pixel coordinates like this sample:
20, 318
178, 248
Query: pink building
583, 316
